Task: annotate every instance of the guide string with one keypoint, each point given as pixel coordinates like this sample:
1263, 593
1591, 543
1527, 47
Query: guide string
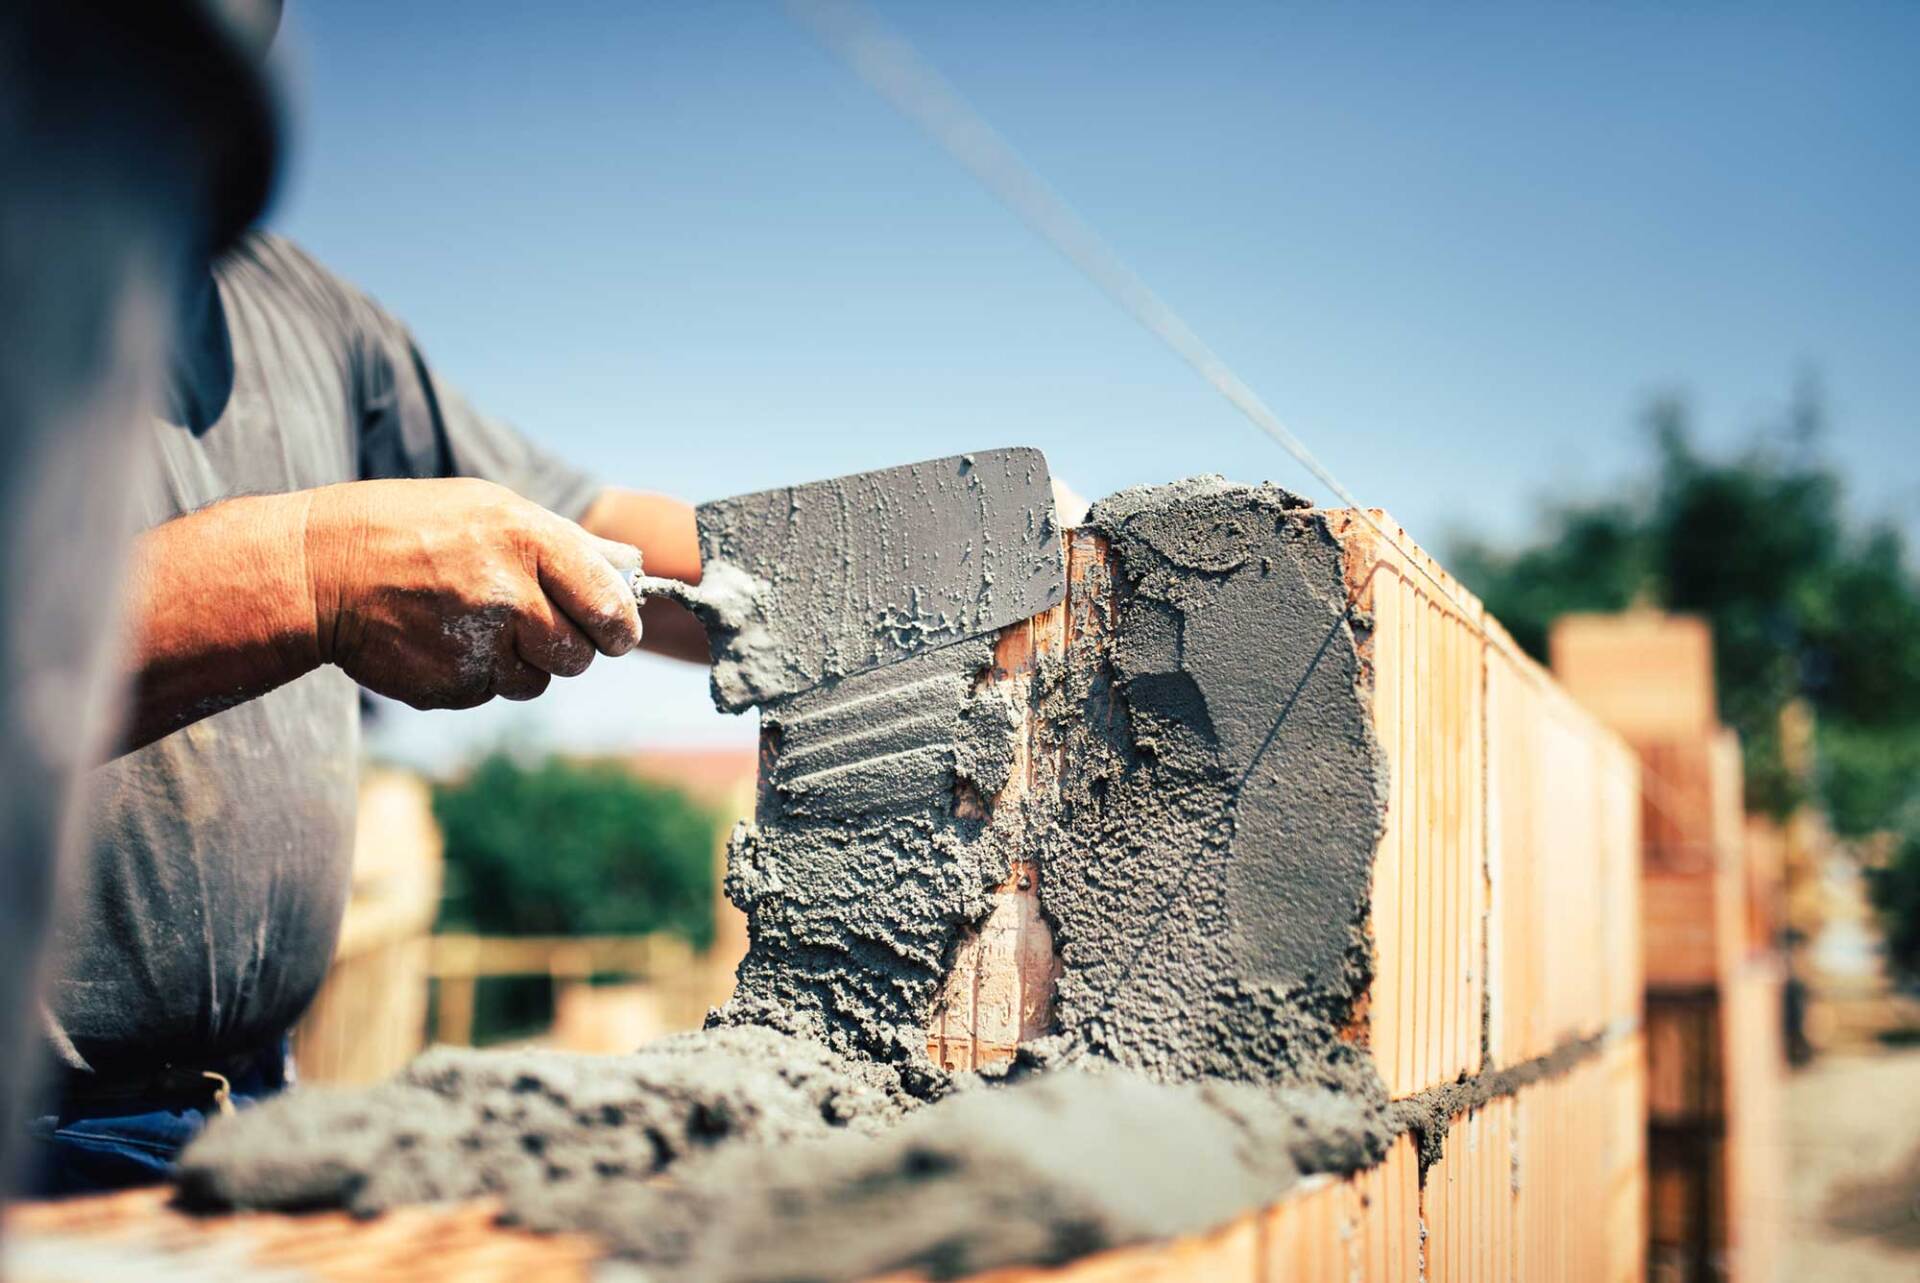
893, 68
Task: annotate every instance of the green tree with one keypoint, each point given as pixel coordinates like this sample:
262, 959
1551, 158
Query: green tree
559, 847
1804, 603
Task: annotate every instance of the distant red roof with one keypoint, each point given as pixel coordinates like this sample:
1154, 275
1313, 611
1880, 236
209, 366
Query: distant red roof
711, 775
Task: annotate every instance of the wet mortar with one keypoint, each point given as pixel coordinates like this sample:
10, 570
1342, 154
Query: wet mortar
1206, 875
464, 1123
804, 585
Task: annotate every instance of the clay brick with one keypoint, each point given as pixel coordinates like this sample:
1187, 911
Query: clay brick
1000, 991
1764, 863
1509, 869
1713, 1017
1312, 1235
1563, 858
1756, 1147
1647, 675
1426, 658
1685, 1074
1682, 920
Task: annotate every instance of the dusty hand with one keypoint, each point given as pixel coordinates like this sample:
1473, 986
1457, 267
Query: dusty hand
444, 594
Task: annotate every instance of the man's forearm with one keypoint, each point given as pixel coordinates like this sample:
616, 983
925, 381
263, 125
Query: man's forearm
663, 530
221, 611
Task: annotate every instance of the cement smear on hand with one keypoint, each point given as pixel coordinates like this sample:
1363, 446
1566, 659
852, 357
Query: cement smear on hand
1205, 870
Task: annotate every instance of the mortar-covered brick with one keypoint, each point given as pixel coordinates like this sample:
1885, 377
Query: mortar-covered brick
1208, 871
1205, 865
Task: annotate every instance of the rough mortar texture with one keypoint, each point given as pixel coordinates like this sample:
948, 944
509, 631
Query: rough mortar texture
1208, 872
805, 584
1205, 869
1043, 1171
859, 877
461, 1123
1429, 1114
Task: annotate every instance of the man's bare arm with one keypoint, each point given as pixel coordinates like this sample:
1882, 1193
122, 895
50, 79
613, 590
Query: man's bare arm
663, 530
219, 611
439, 593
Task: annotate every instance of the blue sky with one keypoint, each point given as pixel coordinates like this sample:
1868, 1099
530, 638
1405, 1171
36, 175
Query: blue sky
1454, 247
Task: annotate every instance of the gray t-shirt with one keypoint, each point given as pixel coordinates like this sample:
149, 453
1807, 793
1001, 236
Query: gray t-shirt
220, 855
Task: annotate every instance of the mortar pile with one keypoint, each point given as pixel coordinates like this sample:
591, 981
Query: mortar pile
1194, 778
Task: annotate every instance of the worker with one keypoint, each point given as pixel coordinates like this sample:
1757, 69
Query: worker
326, 513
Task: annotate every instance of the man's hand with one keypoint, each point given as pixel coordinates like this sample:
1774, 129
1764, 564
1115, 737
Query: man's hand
444, 594
439, 593
665, 529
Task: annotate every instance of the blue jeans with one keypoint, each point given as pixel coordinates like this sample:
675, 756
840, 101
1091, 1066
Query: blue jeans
91, 1147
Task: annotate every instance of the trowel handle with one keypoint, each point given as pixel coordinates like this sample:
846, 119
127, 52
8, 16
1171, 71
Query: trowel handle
687, 595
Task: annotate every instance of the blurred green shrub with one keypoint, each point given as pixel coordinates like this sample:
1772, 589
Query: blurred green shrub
1805, 603
560, 847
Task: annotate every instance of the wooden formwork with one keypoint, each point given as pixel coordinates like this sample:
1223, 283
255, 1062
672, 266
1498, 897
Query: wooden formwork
370, 1016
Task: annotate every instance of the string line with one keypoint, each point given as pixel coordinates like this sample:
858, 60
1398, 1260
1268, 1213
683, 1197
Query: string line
893, 68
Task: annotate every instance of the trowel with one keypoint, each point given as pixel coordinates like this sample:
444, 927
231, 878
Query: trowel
808, 584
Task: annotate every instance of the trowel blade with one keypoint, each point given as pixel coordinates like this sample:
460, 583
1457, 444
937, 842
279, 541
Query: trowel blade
810, 583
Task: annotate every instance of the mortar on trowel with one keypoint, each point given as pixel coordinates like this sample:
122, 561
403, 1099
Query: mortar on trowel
804, 585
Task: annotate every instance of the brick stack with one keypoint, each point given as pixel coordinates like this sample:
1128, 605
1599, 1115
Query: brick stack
1506, 926
1505, 919
1713, 1002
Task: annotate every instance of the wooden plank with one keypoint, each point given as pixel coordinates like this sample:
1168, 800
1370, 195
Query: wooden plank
461, 956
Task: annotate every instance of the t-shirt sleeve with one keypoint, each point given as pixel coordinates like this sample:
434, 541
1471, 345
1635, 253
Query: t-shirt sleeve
413, 423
